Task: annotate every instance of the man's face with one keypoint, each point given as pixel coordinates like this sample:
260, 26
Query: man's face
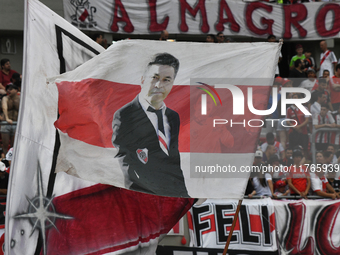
308, 54
209, 39
272, 39
220, 38
157, 83
325, 74
324, 99
311, 75
331, 149
99, 39
337, 72
6, 66
11, 91
319, 158
289, 153
299, 51
322, 86
297, 160
323, 46
323, 111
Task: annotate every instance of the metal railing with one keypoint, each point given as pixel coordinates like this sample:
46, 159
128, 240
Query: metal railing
313, 149
288, 197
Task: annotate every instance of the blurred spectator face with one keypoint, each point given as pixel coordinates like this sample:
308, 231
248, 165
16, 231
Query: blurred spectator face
220, 38
281, 189
323, 86
325, 74
323, 46
323, 112
257, 160
297, 160
299, 51
271, 150
324, 99
99, 39
308, 54
272, 39
289, 153
319, 158
311, 75
6, 66
331, 149
209, 39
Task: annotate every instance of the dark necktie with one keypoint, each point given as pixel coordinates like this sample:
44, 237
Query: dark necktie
161, 133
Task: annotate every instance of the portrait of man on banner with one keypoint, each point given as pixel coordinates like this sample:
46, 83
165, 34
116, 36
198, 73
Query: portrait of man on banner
145, 132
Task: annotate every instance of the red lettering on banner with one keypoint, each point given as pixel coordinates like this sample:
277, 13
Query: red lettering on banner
221, 20
272, 222
321, 20
199, 7
190, 223
266, 22
295, 228
154, 26
210, 218
324, 230
128, 28
255, 223
301, 15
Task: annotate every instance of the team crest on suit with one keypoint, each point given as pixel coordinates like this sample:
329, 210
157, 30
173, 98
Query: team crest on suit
142, 155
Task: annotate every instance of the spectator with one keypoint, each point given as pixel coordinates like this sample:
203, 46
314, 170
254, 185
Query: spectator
10, 107
328, 59
335, 89
5, 75
164, 35
325, 74
297, 73
298, 134
333, 159
299, 55
210, 38
228, 40
220, 37
272, 38
319, 182
334, 181
288, 159
321, 89
257, 162
270, 151
335, 136
263, 185
322, 120
270, 140
99, 38
316, 106
311, 81
280, 188
298, 179
309, 60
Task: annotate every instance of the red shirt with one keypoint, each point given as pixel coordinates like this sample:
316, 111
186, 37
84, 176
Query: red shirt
299, 178
298, 116
335, 95
6, 78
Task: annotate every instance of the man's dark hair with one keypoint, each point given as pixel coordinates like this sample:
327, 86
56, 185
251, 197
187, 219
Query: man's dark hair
326, 154
322, 80
212, 36
219, 33
11, 86
325, 71
318, 94
288, 149
297, 62
337, 67
325, 105
4, 61
271, 37
15, 77
297, 153
165, 59
95, 36
270, 136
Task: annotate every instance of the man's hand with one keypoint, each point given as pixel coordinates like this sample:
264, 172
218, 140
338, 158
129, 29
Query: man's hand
10, 121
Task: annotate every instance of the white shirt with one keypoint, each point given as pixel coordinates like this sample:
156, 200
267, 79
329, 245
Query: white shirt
154, 120
315, 109
260, 190
307, 84
328, 64
317, 183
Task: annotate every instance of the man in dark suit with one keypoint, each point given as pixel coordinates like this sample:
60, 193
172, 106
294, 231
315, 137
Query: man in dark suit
146, 132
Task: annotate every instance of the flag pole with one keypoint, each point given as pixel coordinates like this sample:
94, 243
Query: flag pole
232, 227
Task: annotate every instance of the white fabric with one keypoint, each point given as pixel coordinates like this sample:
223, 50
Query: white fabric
139, 15
315, 109
317, 183
328, 64
196, 60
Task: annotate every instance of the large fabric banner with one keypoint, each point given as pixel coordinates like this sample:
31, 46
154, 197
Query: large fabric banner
266, 226
49, 213
138, 121
309, 21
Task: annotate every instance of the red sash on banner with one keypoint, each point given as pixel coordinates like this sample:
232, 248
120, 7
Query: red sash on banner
324, 57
